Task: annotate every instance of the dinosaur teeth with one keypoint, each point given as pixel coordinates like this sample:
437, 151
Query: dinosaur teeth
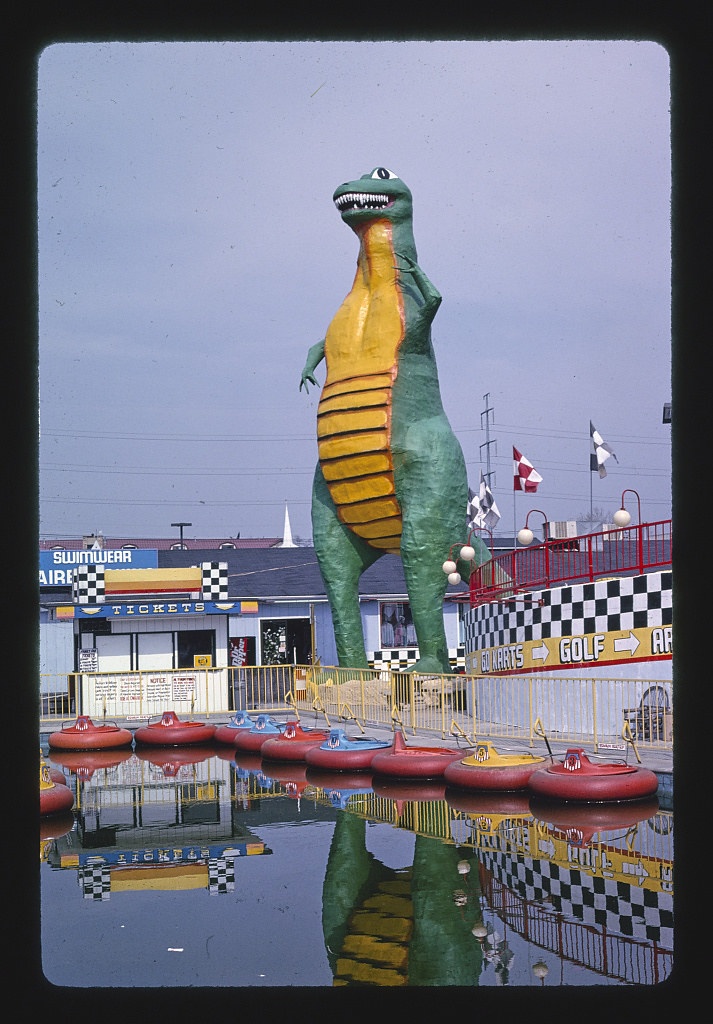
361, 201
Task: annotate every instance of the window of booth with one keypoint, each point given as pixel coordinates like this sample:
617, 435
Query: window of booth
397, 629
285, 642
190, 642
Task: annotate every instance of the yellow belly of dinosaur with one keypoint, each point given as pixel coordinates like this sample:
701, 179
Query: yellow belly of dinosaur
354, 416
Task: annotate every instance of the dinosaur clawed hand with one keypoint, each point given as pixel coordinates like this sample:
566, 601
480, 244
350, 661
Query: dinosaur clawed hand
411, 263
308, 378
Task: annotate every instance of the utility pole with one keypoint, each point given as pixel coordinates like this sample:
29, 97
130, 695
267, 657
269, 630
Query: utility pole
180, 527
487, 443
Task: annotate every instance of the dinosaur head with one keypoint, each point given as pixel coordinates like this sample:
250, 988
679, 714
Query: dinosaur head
381, 194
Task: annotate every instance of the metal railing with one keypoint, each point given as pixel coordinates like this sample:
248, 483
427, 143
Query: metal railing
597, 711
626, 551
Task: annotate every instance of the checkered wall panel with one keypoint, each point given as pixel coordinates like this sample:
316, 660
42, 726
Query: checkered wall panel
214, 576
594, 900
88, 584
400, 659
629, 602
95, 881
221, 874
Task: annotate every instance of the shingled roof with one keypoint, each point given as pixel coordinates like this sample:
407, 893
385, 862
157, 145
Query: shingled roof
291, 573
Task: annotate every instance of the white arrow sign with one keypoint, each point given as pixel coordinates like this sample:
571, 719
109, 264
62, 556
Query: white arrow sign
547, 847
626, 643
541, 653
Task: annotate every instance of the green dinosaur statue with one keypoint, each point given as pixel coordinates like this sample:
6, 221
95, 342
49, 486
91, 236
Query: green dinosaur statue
391, 475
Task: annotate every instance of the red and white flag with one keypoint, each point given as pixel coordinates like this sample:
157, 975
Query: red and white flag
526, 476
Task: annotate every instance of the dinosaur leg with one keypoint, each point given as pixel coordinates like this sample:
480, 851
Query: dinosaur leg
342, 558
432, 492
426, 586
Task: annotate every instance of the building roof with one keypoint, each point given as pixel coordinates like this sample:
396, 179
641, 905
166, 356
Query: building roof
292, 573
161, 543
275, 573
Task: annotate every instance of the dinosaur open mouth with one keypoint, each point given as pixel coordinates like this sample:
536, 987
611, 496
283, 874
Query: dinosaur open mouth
362, 201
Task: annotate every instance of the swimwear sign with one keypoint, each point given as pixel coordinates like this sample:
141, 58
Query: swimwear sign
57, 567
642, 644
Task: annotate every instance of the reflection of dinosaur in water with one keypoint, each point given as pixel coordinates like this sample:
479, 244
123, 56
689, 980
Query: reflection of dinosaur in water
384, 926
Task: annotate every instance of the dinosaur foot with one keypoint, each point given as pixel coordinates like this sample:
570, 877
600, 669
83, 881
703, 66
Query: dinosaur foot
429, 666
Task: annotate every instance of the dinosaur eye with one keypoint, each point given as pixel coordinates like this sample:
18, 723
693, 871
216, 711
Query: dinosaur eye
384, 173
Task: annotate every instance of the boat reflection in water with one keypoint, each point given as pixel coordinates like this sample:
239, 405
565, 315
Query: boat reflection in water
369, 882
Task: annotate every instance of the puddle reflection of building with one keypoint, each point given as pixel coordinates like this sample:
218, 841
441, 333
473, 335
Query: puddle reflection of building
165, 821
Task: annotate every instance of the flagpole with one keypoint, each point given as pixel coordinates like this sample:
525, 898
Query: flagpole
514, 518
591, 504
512, 477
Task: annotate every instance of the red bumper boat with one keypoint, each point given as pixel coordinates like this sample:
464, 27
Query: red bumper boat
578, 778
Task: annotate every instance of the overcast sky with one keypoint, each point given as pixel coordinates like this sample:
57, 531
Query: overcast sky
190, 254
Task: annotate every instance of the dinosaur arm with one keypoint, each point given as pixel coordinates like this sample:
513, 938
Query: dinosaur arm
431, 296
314, 358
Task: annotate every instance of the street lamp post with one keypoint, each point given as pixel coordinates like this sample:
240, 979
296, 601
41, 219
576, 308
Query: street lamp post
180, 527
622, 518
466, 554
526, 536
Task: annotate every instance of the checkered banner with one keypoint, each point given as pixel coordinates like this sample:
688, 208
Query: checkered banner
400, 659
95, 881
221, 874
214, 576
88, 584
632, 602
629, 910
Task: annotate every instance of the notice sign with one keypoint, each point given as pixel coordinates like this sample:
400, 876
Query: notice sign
161, 687
158, 688
89, 659
184, 687
113, 688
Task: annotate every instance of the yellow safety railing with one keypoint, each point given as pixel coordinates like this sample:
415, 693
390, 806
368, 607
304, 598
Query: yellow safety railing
597, 711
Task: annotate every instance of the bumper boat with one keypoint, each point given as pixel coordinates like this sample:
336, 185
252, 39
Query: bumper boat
291, 775
227, 733
293, 743
266, 727
486, 769
412, 762
84, 734
83, 763
52, 826
55, 798
340, 786
170, 762
480, 804
172, 731
578, 778
579, 823
342, 753
405, 790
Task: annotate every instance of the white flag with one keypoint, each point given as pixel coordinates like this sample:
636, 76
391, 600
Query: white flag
602, 451
482, 510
